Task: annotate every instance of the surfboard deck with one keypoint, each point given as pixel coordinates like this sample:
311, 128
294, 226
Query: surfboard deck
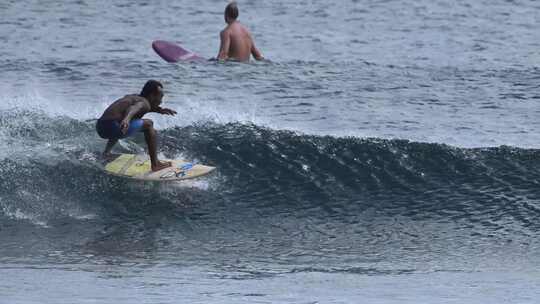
173, 52
138, 167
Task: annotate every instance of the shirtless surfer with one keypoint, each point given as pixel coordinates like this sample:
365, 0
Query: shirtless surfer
236, 41
123, 118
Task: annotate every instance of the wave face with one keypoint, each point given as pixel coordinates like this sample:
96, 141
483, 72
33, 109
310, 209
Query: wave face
338, 178
277, 196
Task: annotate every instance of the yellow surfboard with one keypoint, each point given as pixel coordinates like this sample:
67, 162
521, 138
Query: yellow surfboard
138, 167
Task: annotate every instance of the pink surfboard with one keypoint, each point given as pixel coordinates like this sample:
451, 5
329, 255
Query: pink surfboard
172, 52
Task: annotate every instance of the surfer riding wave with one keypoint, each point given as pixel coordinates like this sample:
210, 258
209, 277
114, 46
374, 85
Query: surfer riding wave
123, 118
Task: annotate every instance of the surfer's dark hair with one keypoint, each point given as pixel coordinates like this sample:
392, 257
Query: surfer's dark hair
150, 87
231, 11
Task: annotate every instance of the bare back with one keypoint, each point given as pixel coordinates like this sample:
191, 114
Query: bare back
118, 109
237, 44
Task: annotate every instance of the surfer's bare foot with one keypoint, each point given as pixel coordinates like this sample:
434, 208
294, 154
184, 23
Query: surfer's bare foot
161, 165
108, 156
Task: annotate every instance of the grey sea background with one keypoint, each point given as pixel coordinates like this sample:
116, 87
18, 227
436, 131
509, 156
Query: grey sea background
387, 153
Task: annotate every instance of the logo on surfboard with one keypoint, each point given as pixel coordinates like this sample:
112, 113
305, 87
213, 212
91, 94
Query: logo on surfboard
178, 172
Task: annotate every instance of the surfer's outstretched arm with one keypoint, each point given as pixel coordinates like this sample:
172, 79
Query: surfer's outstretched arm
165, 111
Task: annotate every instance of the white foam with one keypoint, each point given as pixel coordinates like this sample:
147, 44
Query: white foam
18, 214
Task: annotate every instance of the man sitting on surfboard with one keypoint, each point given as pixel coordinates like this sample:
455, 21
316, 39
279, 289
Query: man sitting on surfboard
123, 118
236, 41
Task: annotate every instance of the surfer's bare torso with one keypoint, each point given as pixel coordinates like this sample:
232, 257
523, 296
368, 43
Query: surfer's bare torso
237, 44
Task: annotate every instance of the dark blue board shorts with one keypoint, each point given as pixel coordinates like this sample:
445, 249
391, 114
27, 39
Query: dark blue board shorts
110, 129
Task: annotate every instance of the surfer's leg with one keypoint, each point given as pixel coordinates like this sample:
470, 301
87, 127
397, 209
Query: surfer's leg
110, 130
150, 135
109, 146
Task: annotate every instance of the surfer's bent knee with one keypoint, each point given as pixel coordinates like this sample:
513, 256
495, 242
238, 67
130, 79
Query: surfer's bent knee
148, 124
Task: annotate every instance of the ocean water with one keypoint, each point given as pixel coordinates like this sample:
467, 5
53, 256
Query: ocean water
386, 153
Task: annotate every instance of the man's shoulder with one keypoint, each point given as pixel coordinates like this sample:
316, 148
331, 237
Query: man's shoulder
134, 98
238, 26
225, 31
233, 27
243, 30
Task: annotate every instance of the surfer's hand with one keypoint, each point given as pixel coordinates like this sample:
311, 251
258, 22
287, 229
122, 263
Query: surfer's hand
124, 126
167, 111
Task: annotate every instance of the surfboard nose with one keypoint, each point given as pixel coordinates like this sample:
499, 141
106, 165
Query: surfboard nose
172, 52
163, 49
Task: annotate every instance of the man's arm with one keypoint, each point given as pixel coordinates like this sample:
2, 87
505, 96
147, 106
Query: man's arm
165, 111
225, 45
254, 50
133, 110
256, 53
